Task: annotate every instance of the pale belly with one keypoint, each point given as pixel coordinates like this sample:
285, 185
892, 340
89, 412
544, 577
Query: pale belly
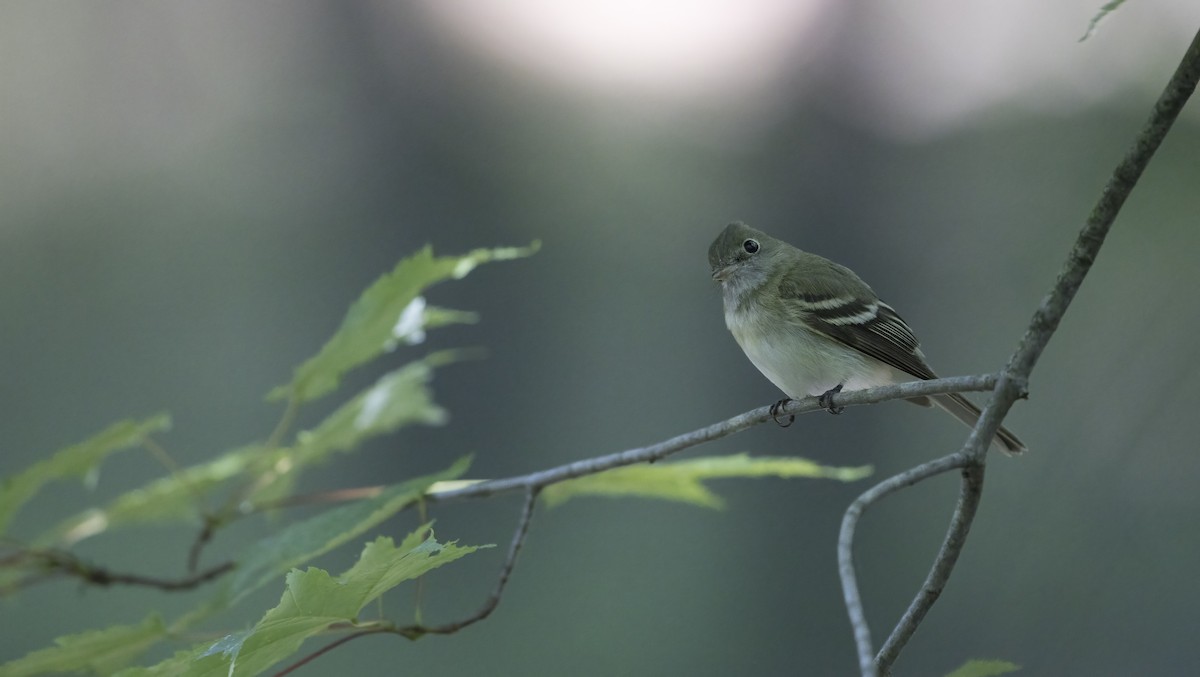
802, 363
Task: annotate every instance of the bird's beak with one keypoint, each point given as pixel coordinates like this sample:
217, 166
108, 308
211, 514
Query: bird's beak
721, 274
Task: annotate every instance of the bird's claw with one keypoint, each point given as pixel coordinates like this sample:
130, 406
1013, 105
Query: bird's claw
776, 408
826, 400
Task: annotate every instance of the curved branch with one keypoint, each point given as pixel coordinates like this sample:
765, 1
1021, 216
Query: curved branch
970, 493
493, 600
56, 562
1012, 382
854, 606
330, 647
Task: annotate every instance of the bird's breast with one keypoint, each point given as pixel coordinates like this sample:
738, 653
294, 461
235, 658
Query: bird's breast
799, 361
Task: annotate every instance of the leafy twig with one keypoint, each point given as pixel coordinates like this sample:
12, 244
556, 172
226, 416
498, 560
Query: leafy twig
417, 631
228, 512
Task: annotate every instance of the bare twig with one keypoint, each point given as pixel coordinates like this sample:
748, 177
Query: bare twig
58, 563
493, 600
970, 493
1166, 110
318, 498
211, 524
330, 647
1012, 382
655, 452
858, 619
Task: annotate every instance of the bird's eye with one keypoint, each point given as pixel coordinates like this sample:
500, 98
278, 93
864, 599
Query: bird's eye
750, 245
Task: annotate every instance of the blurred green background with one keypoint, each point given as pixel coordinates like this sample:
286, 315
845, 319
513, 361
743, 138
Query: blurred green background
192, 193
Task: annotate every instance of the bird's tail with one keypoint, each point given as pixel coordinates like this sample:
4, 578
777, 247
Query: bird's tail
962, 409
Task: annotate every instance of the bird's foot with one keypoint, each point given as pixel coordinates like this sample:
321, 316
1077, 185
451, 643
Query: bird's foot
776, 408
826, 400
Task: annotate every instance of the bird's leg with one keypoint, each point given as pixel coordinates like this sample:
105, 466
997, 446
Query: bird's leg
776, 408
826, 400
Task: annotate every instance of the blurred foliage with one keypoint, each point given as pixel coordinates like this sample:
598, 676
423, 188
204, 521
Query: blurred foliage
984, 668
399, 398
81, 460
683, 480
100, 652
384, 315
390, 311
313, 602
1108, 8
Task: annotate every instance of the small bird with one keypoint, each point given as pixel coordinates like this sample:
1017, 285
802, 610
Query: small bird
813, 327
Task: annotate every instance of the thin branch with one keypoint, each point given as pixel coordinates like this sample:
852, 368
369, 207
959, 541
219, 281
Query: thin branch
1166, 110
493, 600
318, 498
416, 631
858, 619
531, 484
211, 524
330, 647
543, 478
55, 562
1012, 382
655, 452
970, 493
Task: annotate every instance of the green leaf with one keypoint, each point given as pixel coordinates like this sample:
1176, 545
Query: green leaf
397, 399
312, 602
383, 565
80, 460
302, 541
99, 651
988, 668
169, 499
389, 311
1108, 8
683, 480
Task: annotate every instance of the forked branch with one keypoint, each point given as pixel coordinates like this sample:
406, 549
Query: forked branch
1010, 386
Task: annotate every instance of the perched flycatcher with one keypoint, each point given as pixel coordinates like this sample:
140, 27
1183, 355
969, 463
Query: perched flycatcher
813, 327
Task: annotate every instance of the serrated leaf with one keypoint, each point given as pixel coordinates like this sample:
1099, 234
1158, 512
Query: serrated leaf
683, 480
312, 602
168, 499
984, 668
385, 315
78, 460
1108, 8
99, 651
302, 541
401, 397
